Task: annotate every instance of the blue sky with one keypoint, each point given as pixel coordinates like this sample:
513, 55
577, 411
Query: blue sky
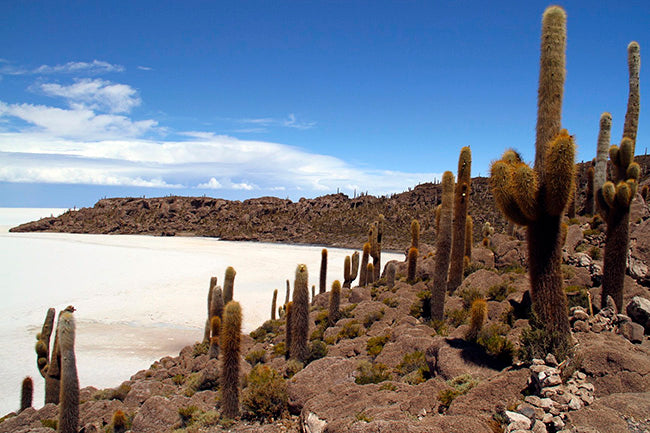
292, 99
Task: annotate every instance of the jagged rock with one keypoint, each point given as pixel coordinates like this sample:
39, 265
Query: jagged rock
609, 414
633, 332
481, 280
483, 256
639, 311
309, 381
157, 414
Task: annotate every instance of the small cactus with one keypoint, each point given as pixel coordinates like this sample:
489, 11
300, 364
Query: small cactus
370, 274
478, 316
119, 422
300, 319
230, 346
335, 303
215, 329
288, 297
412, 264
229, 285
487, 231
323, 271
354, 271
347, 272
26, 393
390, 275
69, 394
274, 303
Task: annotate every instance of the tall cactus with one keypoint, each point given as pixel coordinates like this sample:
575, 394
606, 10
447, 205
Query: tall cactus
230, 346
274, 303
69, 394
589, 199
370, 274
335, 303
26, 393
323, 271
415, 234
364, 264
411, 264
347, 272
215, 330
287, 297
602, 151
615, 196
469, 237
443, 248
229, 285
288, 328
461, 201
354, 270
300, 319
206, 331
374, 238
537, 198
44, 358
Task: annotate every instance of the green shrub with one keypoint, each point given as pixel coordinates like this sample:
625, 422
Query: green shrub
256, 357
537, 342
514, 268
292, 367
371, 373
414, 368
178, 379
200, 349
594, 253
317, 350
50, 423
372, 317
186, 414
469, 295
391, 302
457, 386
492, 338
280, 349
265, 397
346, 312
351, 329
591, 232
499, 292
456, 318
573, 221
577, 296
361, 416
268, 330
473, 267
387, 386
375, 345
192, 384
118, 393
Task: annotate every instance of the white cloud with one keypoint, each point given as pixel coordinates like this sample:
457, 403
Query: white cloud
291, 122
145, 68
79, 122
94, 67
262, 123
211, 184
95, 94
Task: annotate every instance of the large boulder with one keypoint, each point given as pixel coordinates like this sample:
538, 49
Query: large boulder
614, 413
317, 377
639, 311
157, 414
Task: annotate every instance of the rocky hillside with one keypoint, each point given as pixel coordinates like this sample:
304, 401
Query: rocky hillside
383, 367
334, 220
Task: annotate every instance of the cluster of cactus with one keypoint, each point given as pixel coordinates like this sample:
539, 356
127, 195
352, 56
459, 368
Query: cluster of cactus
537, 198
443, 248
615, 196
350, 269
461, 202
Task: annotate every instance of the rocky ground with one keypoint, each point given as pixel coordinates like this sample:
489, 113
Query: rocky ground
382, 367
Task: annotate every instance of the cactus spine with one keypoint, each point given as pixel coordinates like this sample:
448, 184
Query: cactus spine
537, 198
335, 303
323, 271
411, 264
300, 319
231, 338
206, 332
615, 197
274, 303
229, 285
69, 394
415, 234
364, 264
461, 201
44, 359
443, 248
26, 393
469, 237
